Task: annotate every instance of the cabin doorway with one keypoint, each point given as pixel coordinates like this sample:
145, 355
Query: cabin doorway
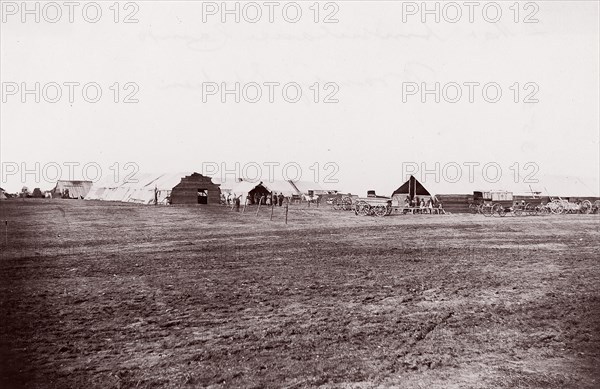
202, 196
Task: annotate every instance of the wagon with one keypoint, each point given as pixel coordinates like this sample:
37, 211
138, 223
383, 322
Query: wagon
378, 206
383, 206
502, 203
559, 206
485, 201
343, 203
518, 208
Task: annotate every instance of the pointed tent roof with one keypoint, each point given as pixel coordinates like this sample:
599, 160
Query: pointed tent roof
286, 187
242, 188
77, 189
305, 186
412, 187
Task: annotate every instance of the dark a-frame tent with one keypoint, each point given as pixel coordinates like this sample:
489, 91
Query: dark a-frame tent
412, 188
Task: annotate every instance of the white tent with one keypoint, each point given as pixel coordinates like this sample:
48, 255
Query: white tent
285, 187
242, 188
305, 187
142, 188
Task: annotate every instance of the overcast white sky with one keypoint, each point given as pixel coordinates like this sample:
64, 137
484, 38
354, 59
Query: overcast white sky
369, 54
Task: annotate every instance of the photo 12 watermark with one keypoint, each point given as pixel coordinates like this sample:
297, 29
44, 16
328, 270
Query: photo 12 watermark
316, 172
270, 92
470, 11
69, 92
472, 172
252, 12
470, 92
47, 172
52, 12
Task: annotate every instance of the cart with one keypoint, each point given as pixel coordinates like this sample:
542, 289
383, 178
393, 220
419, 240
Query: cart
374, 205
560, 206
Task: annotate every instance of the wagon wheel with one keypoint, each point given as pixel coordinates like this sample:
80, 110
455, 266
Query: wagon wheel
363, 209
346, 203
530, 210
473, 208
357, 207
380, 210
596, 207
585, 207
542, 209
498, 210
557, 208
486, 210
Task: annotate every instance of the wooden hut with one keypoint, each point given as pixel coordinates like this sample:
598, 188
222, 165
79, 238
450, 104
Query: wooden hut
196, 189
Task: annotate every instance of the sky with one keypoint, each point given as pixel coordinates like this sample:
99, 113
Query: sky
374, 128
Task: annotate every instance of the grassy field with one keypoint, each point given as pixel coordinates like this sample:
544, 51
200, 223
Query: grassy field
103, 295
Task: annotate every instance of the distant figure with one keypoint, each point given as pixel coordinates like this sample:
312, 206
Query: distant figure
274, 198
280, 198
237, 203
440, 209
269, 200
261, 201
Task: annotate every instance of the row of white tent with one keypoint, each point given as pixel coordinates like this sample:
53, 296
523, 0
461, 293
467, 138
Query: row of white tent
144, 188
141, 188
147, 188
286, 188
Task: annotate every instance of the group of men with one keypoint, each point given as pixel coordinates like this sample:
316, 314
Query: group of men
421, 205
256, 198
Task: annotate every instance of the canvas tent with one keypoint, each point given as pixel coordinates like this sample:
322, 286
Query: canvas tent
309, 187
245, 188
71, 189
411, 188
154, 188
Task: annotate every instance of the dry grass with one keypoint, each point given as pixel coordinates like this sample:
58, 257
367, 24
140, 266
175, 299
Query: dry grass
101, 295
